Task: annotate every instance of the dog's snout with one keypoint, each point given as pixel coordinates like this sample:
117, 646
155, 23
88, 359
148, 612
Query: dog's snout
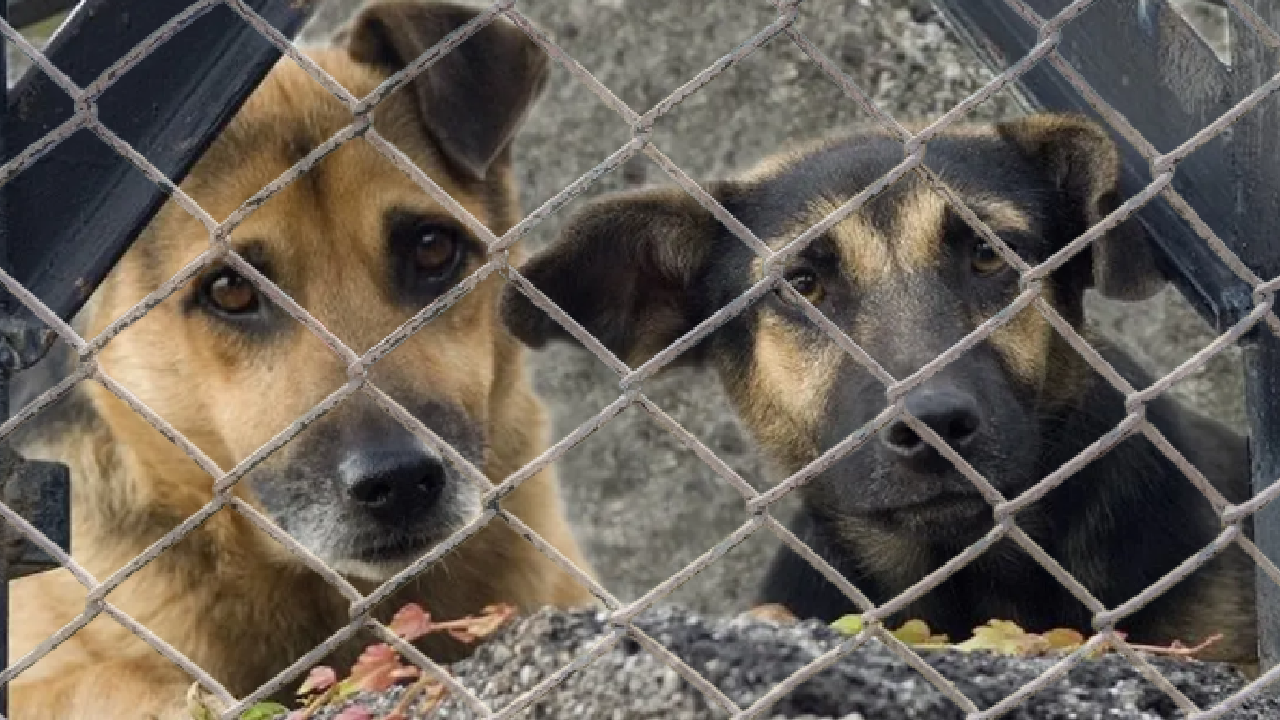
952, 414
394, 486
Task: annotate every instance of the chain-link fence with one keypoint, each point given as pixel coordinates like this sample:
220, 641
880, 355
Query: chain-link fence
1257, 318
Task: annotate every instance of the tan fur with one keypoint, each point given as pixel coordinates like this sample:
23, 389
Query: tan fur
228, 597
1026, 342
784, 414
999, 215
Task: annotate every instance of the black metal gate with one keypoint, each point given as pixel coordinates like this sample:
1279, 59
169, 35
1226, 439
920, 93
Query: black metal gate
56, 142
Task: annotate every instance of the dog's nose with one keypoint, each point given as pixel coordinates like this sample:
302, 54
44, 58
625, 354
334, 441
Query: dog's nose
952, 414
394, 486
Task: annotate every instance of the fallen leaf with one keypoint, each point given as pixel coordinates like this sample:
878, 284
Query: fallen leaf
411, 622
1064, 639
917, 632
319, 679
848, 625
491, 619
406, 672
1005, 638
346, 689
264, 711
374, 670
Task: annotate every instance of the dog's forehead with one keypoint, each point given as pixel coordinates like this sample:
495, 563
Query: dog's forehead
282, 133
906, 224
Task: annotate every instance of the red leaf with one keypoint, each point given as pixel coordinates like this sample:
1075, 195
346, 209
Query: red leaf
411, 622
406, 672
375, 669
321, 678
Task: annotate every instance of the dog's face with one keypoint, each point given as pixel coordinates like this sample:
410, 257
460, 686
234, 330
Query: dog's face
904, 277
361, 247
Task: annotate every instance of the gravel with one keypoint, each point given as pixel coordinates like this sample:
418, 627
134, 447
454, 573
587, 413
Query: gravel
745, 660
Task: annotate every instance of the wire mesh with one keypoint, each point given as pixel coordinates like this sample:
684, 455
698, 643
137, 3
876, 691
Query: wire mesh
757, 516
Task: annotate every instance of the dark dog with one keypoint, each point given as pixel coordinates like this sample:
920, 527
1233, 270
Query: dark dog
906, 278
362, 247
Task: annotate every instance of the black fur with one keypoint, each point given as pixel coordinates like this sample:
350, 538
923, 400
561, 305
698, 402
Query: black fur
1117, 526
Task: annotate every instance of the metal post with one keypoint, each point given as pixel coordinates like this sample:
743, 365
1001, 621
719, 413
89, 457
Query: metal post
1262, 386
4, 383
1256, 140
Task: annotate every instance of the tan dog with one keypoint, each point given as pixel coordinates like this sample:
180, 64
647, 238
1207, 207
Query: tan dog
362, 248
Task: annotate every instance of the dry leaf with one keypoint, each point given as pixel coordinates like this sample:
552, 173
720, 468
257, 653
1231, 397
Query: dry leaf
848, 625
1064, 639
411, 622
917, 632
1005, 638
375, 669
319, 679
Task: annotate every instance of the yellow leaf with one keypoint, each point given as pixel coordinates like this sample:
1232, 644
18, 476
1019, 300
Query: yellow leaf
1005, 638
917, 632
913, 632
1064, 639
848, 625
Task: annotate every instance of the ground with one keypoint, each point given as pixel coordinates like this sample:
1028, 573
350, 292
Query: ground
745, 660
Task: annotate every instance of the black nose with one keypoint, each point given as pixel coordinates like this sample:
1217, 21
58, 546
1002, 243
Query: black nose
393, 486
953, 414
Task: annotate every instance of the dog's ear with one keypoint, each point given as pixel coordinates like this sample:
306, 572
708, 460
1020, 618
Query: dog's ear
626, 269
474, 98
1082, 161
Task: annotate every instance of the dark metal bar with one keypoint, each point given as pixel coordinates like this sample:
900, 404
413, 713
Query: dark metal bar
1262, 387
168, 108
1127, 53
4, 384
29, 12
1256, 143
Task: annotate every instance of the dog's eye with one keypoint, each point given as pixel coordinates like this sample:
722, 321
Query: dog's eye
437, 253
986, 260
805, 282
230, 293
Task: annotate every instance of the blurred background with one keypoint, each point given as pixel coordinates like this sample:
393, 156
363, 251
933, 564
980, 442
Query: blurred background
643, 505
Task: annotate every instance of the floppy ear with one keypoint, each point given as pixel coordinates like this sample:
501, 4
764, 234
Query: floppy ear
1081, 159
626, 269
474, 98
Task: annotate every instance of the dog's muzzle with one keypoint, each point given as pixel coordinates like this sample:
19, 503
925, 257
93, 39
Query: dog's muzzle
394, 486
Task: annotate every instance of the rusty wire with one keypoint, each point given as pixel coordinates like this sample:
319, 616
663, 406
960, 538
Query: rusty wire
757, 515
